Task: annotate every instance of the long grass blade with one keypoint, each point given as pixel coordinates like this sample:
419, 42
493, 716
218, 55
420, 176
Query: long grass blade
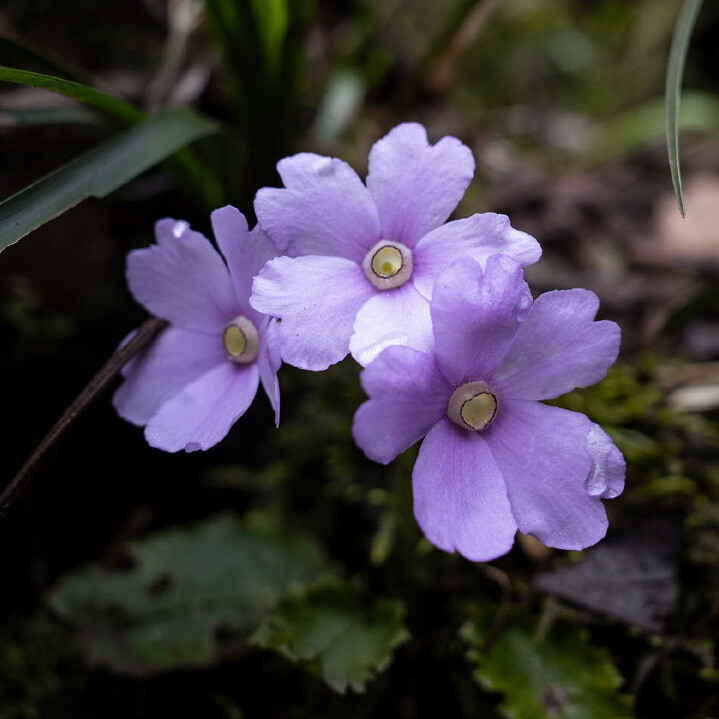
675, 73
100, 171
107, 104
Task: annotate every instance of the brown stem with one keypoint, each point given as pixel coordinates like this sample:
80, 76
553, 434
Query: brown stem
145, 333
505, 605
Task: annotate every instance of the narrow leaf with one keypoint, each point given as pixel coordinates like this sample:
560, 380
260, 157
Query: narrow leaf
272, 18
17, 50
192, 172
100, 171
22, 117
107, 104
675, 72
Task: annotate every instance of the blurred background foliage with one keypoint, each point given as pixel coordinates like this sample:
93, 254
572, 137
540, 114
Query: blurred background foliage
281, 574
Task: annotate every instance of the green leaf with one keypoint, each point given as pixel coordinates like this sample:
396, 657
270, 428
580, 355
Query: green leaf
100, 171
675, 72
23, 117
17, 50
226, 28
272, 17
185, 584
342, 98
646, 123
107, 104
192, 172
560, 675
346, 642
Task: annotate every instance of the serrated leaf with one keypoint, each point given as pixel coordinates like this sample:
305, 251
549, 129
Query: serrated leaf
100, 171
675, 73
560, 675
185, 584
346, 641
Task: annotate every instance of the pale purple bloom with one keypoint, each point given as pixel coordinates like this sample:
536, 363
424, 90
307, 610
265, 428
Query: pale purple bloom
494, 458
362, 259
202, 372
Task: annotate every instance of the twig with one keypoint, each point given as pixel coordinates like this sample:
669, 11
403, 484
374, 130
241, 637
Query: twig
441, 69
505, 584
146, 332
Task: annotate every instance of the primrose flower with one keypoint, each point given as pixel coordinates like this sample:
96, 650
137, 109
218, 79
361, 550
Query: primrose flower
362, 260
494, 458
202, 372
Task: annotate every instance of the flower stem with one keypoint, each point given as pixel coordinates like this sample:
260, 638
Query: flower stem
146, 332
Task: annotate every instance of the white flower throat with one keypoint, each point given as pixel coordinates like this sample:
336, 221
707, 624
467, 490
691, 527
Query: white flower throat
388, 265
472, 406
241, 341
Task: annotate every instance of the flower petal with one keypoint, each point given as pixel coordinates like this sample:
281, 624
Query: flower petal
476, 316
175, 358
542, 453
394, 317
460, 500
479, 237
203, 412
317, 299
407, 396
246, 252
415, 185
268, 362
183, 280
558, 347
606, 477
168, 230
324, 210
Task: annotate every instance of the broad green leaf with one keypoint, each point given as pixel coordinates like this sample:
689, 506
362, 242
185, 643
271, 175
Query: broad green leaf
675, 73
100, 171
185, 584
107, 104
560, 675
346, 641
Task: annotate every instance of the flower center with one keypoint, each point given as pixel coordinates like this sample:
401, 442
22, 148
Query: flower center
241, 341
388, 265
472, 406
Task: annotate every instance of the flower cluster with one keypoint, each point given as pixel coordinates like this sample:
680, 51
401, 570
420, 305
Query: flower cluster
438, 313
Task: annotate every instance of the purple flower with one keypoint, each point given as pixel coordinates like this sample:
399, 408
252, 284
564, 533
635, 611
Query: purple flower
201, 373
362, 260
494, 458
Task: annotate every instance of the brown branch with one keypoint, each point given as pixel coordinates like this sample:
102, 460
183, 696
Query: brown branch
145, 333
442, 69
